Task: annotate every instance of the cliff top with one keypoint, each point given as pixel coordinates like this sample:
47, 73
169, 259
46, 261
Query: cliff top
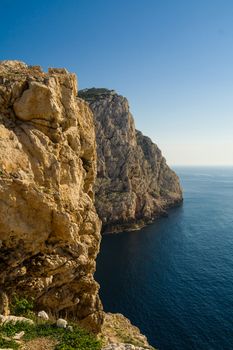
14, 69
93, 93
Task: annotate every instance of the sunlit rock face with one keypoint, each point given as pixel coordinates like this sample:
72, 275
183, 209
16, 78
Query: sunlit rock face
134, 184
49, 229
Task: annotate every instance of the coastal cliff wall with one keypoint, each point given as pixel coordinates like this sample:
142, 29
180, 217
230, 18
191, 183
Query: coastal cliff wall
134, 184
49, 229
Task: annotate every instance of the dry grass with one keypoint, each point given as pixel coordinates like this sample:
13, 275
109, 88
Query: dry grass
44, 343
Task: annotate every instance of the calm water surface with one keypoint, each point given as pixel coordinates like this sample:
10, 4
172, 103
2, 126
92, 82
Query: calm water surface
174, 278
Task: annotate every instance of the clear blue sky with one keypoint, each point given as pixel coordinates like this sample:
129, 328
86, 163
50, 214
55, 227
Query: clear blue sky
172, 59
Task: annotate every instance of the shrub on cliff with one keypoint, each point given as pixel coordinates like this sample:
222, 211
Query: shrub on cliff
22, 306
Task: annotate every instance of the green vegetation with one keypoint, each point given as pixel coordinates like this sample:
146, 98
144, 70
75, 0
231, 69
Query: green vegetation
8, 343
78, 339
65, 339
22, 307
90, 94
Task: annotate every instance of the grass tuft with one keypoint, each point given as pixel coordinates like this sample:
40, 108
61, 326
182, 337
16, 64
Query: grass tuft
79, 339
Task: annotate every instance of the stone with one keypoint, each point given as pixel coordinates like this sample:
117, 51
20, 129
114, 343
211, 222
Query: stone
15, 319
134, 184
122, 346
18, 336
61, 323
43, 315
49, 228
37, 102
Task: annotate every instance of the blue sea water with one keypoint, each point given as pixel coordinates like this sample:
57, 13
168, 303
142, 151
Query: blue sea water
174, 279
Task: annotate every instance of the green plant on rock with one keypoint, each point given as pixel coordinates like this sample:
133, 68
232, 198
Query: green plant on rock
78, 339
9, 329
22, 306
8, 344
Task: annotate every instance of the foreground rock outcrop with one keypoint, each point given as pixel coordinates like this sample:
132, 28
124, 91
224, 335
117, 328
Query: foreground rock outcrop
134, 184
119, 333
122, 346
49, 229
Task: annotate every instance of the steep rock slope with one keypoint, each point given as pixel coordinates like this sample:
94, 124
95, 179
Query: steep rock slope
49, 229
134, 184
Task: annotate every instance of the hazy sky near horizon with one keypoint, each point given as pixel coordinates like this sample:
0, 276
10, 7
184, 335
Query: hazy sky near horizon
172, 59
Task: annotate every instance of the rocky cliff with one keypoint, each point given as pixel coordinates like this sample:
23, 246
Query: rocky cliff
134, 184
49, 229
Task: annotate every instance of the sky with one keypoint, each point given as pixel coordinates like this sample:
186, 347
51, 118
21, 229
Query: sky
172, 59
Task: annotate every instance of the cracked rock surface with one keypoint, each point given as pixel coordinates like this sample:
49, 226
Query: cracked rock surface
49, 229
122, 346
118, 331
134, 184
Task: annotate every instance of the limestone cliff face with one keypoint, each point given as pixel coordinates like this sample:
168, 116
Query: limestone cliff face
134, 184
49, 229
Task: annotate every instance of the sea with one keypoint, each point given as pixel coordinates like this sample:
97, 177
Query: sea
174, 278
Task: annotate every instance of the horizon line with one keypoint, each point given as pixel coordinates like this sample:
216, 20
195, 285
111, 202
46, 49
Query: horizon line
199, 165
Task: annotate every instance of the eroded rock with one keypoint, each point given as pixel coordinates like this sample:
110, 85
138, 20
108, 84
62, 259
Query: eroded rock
122, 346
134, 184
119, 333
15, 319
49, 229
